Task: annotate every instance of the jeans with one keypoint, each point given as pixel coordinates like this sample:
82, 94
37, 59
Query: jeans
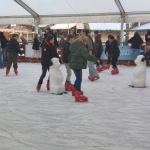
98, 57
4, 50
1, 61
133, 52
109, 59
78, 74
68, 72
45, 68
92, 70
114, 61
12, 58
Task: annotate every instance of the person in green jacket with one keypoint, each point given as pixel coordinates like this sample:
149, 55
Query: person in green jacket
78, 59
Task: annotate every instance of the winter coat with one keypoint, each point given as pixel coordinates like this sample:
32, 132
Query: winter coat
147, 37
13, 46
79, 55
114, 49
3, 40
48, 52
136, 42
107, 49
90, 45
36, 44
66, 52
98, 44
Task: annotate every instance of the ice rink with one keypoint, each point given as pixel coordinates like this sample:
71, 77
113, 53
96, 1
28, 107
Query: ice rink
116, 117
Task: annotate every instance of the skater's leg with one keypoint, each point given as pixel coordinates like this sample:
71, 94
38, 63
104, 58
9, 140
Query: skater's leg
10, 60
15, 58
34, 53
44, 70
78, 74
92, 70
68, 72
109, 59
37, 54
4, 50
98, 57
114, 61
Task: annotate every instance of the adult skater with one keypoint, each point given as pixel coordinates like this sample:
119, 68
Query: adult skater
107, 53
48, 52
93, 75
66, 52
78, 60
35, 47
13, 50
115, 52
99, 47
136, 42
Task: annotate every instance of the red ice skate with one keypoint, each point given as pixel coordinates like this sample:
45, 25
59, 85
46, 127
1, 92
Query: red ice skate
93, 78
68, 86
15, 71
48, 86
37, 61
7, 72
79, 97
128, 63
38, 87
74, 91
19, 60
30, 59
115, 71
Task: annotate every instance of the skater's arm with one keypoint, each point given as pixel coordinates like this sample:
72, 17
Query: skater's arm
87, 56
18, 48
90, 47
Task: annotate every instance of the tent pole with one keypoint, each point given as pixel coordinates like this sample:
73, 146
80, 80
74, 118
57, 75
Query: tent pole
121, 34
68, 28
36, 29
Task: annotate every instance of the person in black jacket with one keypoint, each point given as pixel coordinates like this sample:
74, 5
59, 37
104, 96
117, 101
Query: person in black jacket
4, 43
114, 52
136, 42
13, 50
66, 52
48, 52
35, 47
147, 36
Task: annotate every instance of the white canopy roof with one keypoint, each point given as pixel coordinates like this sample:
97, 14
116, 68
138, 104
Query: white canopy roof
106, 26
143, 27
73, 11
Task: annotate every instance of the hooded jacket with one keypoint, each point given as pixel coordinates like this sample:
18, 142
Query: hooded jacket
114, 49
79, 55
13, 46
135, 41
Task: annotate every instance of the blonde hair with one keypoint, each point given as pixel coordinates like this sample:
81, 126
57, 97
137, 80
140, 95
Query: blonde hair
81, 39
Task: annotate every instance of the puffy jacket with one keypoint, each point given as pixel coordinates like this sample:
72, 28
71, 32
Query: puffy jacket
136, 42
66, 51
114, 49
13, 46
98, 44
79, 55
36, 44
48, 52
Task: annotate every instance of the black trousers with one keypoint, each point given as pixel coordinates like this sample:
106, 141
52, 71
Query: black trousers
45, 68
114, 61
12, 58
109, 59
98, 57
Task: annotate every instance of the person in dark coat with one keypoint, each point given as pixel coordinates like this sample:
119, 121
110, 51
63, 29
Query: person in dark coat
13, 50
115, 52
136, 42
4, 43
36, 50
107, 52
66, 52
147, 37
48, 52
99, 47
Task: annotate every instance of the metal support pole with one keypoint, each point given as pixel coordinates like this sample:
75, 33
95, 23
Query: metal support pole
121, 34
36, 29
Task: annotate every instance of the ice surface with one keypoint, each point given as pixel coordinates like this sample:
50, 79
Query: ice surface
116, 117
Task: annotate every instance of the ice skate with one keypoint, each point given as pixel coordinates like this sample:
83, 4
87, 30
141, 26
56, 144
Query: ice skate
7, 72
38, 87
79, 97
15, 71
115, 71
68, 86
128, 63
19, 60
37, 61
30, 59
48, 86
93, 78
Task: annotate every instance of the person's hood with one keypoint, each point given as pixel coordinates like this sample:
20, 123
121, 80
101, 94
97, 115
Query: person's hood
76, 45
